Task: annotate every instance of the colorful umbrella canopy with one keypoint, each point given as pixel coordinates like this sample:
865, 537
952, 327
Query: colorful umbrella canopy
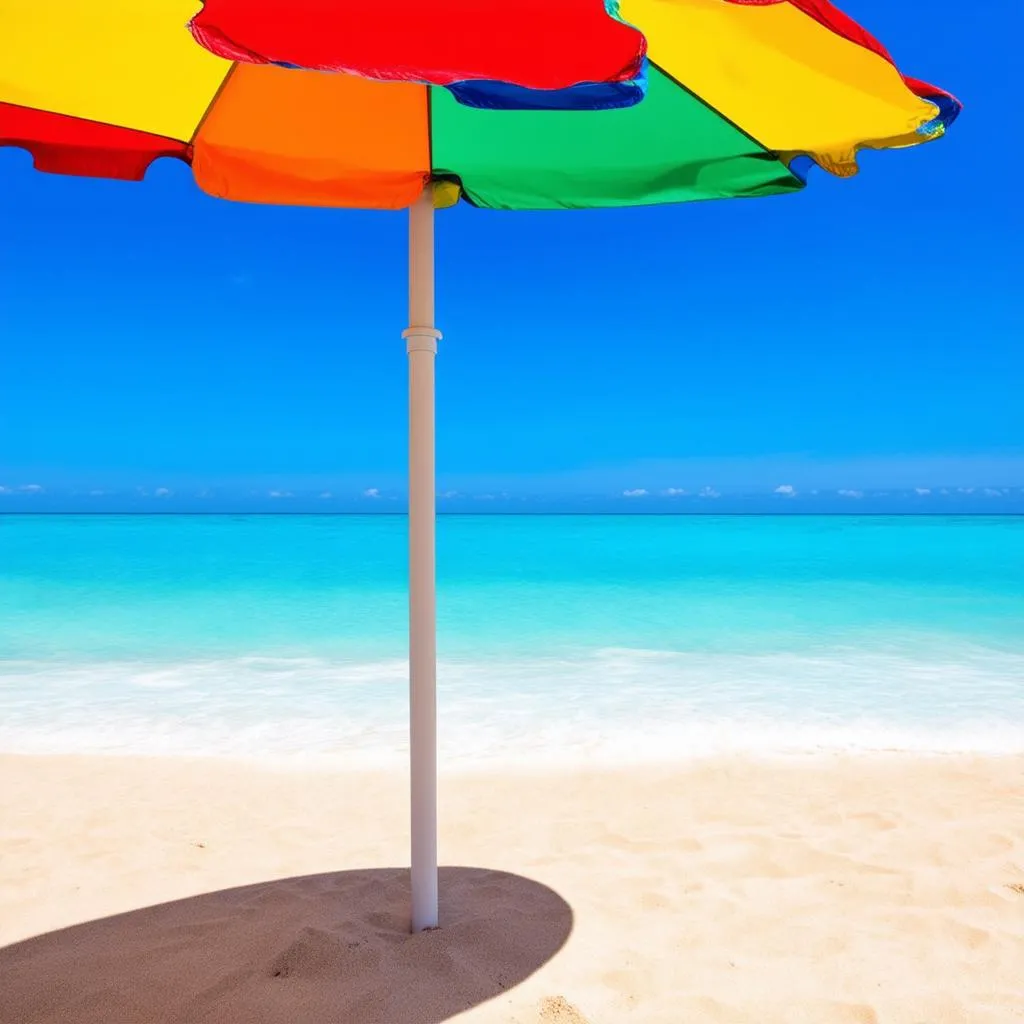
530, 104
737, 92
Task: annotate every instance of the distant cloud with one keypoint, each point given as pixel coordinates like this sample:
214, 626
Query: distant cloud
97, 493
163, 492
326, 494
965, 490
448, 494
637, 492
849, 493
708, 492
923, 491
484, 497
786, 489
991, 492
4, 490
279, 494
674, 492
31, 488
371, 492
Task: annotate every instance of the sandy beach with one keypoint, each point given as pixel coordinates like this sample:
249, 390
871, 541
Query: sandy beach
839, 890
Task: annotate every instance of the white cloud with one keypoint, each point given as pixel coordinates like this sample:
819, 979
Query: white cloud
279, 494
787, 489
991, 492
849, 493
708, 492
4, 490
944, 491
97, 493
371, 492
448, 494
163, 492
484, 497
637, 492
674, 492
326, 494
965, 490
922, 491
31, 488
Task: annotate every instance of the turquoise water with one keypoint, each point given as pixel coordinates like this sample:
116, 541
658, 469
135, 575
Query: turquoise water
590, 637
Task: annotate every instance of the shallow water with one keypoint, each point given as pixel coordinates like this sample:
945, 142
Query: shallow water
594, 637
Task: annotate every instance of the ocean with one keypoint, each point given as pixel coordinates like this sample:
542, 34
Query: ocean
583, 639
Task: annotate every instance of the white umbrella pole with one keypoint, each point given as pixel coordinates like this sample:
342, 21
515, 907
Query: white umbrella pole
421, 344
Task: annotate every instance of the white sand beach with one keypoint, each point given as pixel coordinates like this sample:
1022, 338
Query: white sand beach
832, 890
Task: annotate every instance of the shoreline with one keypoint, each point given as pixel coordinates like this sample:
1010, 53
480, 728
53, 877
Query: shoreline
830, 888
573, 763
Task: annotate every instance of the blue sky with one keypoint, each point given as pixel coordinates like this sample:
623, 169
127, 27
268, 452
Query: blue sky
165, 350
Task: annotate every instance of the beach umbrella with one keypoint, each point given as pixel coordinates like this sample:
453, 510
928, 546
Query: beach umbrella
515, 105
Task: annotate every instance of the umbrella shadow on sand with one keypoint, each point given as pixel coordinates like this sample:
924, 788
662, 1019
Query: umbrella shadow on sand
321, 949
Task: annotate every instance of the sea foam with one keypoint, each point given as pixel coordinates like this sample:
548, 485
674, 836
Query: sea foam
608, 705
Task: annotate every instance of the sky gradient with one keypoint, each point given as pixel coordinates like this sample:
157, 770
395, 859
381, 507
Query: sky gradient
162, 350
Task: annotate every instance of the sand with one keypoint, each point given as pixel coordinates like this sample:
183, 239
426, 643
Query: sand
840, 890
